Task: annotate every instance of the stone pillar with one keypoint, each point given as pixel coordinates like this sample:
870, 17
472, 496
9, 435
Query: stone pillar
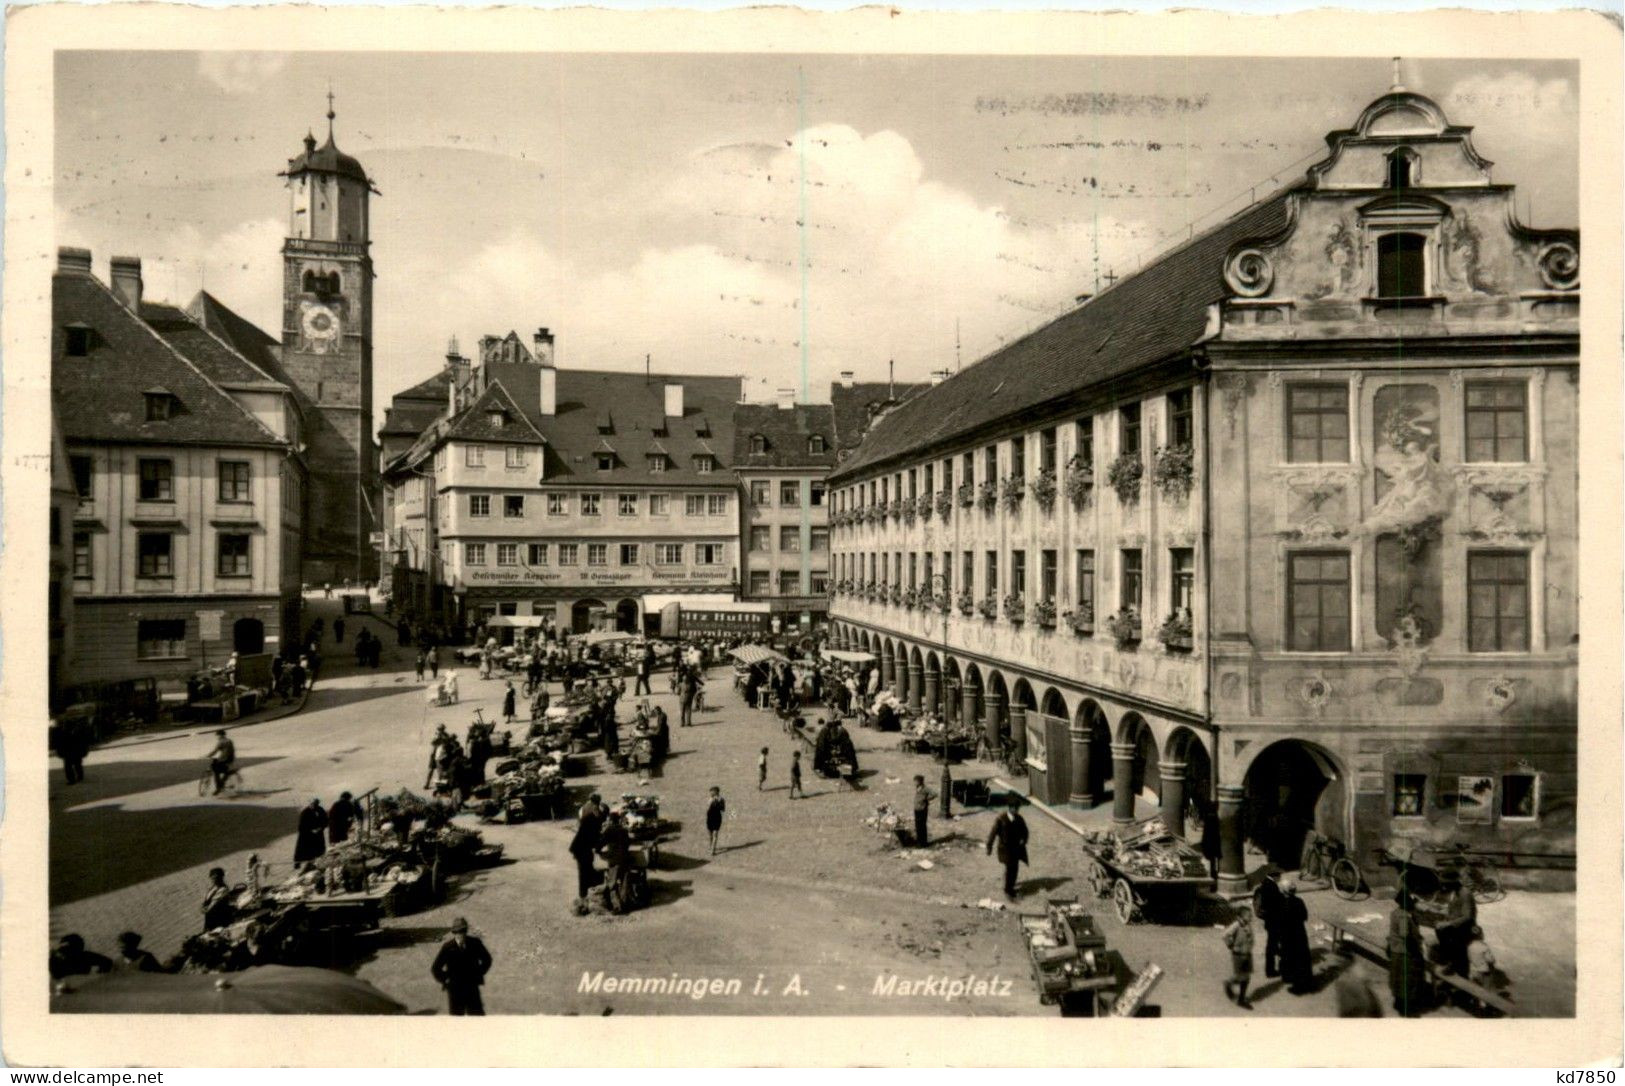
1122, 783
933, 704
916, 684
1173, 797
1082, 794
1018, 729
950, 703
1232, 868
992, 718
967, 704
888, 670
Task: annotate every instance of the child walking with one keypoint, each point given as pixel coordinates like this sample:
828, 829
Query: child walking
713, 816
795, 776
1239, 938
761, 770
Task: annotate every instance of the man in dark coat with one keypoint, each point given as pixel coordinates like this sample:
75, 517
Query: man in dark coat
615, 845
834, 749
312, 821
343, 814
1297, 967
1010, 834
646, 665
584, 845
72, 744
1267, 904
460, 969
338, 630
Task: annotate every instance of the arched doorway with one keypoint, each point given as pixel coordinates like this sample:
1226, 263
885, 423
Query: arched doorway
1023, 702
1054, 703
933, 685
627, 615
1096, 771
247, 636
888, 664
1187, 782
582, 613
1135, 768
952, 683
970, 709
1293, 787
995, 706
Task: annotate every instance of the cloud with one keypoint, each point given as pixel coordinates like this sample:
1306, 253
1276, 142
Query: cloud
240, 73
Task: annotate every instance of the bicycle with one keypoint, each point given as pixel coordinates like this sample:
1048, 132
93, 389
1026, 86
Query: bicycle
1478, 875
1326, 860
231, 785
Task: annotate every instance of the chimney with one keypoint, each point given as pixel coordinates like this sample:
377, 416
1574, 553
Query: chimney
126, 276
1082, 298
543, 343
787, 399
453, 352
847, 377
674, 400
72, 261
549, 397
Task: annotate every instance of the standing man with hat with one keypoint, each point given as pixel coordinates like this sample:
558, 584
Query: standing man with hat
1010, 834
460, 969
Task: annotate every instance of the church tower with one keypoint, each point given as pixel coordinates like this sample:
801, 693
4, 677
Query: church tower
327, 354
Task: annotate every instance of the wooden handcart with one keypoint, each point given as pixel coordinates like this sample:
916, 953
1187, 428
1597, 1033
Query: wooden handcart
1071, 964
1149, 871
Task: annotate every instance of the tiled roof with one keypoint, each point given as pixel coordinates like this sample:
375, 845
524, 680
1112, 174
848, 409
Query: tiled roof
101, 397
854, 404
476, 423
245, 337
218, 361
786, 434
635, 407
1150, 316
326, 159
411, 411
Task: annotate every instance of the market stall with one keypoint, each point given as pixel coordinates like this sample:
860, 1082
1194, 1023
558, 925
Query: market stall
930, 734
1145, 869
1070, 961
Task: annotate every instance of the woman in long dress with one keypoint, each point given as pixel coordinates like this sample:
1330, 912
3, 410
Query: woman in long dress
310, 844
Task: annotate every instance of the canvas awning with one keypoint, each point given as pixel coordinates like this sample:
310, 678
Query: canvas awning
508, 622
600, 637
755, 654
850, 657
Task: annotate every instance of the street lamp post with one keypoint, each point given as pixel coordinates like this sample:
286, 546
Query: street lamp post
939, 589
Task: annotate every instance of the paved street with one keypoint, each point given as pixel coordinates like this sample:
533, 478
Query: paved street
805, 906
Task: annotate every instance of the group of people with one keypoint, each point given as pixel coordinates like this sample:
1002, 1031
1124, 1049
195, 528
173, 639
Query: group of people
455, 768
71, 958
320, 827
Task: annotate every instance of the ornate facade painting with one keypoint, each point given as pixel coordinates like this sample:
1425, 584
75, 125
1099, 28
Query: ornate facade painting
1413, 495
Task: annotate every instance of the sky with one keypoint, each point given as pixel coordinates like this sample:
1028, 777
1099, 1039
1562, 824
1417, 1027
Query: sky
928, 208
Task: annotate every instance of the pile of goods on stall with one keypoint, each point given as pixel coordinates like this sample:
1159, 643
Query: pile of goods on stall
1150, 852
527, 786
1068, 956
930, 733
641, 817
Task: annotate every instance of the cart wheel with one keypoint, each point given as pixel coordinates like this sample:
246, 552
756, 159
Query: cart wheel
1100, 883
1123, 901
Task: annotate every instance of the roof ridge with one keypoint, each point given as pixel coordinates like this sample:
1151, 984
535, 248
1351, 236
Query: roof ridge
206, 330
187, 362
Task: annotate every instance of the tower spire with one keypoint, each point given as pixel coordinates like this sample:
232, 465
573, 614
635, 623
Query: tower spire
330, 113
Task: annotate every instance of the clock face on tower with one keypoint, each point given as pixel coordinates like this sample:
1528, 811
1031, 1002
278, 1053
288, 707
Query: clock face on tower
319, 327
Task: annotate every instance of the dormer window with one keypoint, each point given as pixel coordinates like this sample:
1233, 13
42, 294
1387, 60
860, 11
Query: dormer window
497, 419
160, 405
1401, 266
606, 425
1402, 168
758, 443
704, 464
657, 462
606, 461
78, 341
702, 429
816, 445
